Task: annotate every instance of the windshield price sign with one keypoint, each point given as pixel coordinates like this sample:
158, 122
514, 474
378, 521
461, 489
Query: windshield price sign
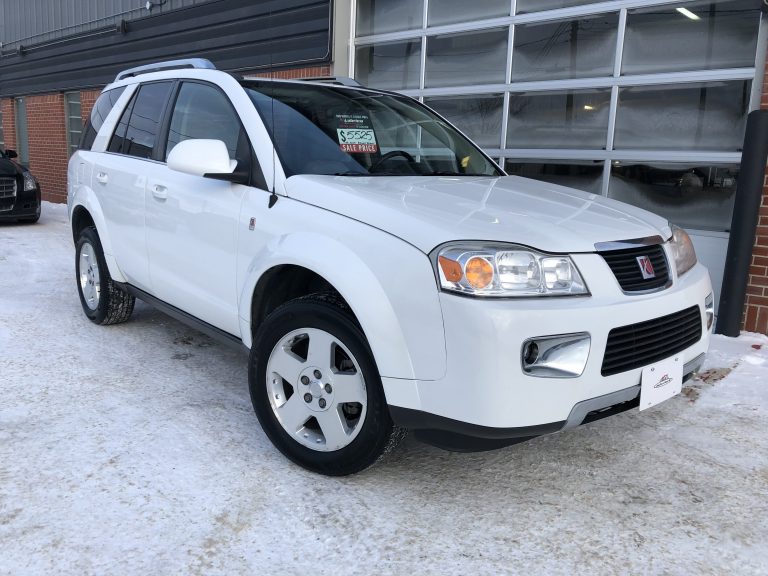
355, 133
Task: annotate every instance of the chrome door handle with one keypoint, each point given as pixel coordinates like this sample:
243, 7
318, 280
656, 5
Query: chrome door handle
102, 177
160, 192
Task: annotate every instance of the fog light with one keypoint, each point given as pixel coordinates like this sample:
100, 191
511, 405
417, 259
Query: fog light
709, 308
561, 356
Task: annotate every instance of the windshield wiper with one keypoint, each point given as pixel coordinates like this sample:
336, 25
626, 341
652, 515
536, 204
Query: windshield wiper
449, 173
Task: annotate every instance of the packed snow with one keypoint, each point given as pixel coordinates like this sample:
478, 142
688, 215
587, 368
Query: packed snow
133, 449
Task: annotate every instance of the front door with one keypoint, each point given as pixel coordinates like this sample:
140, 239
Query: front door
192, 221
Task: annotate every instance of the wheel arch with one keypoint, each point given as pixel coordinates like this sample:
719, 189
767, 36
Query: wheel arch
86, 211
403, 331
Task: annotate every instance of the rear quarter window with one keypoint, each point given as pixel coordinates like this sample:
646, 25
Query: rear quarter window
99, 113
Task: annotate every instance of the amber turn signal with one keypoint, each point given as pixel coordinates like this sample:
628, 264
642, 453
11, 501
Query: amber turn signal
451, 269
479, 272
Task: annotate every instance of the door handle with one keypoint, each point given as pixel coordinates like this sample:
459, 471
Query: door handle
160, 192
102, 177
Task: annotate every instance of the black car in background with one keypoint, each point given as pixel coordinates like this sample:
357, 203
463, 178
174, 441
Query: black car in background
19, 191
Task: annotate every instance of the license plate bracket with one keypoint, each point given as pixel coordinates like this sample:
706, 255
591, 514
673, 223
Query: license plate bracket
661, 381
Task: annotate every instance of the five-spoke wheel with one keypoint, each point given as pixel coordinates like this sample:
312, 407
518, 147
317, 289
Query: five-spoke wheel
316, 389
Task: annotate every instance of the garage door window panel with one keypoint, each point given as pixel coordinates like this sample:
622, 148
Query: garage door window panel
710, 117
559, 119
691, 36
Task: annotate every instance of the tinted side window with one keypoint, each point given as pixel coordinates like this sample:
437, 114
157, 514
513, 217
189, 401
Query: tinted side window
202, 111
116, 143
145, 112
99, 113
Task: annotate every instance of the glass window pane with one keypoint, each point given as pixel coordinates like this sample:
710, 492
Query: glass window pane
381, 16
99, 112
573, 49
479, 117
690, 195
525, 6
202, 111
142, 129
394, 65
708, 116
704, 35
573, 119
584, 175
469, 58
452, 11
2, 134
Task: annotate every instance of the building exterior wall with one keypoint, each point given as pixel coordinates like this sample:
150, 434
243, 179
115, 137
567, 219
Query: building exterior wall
28, 22
48, 144
756, 306
642, 101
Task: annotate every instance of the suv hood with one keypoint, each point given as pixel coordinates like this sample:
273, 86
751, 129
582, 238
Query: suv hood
427, 211
9, 167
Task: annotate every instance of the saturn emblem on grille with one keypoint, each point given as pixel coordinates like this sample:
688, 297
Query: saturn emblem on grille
646, 267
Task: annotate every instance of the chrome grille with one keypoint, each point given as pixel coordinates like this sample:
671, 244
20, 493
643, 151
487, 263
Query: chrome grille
637, 345
7, 187
7, 193
626, 268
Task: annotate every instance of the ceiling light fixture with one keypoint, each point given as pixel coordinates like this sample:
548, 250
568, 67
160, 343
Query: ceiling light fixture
687, 13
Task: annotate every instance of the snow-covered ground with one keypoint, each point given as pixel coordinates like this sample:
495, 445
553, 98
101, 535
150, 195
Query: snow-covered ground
133, 449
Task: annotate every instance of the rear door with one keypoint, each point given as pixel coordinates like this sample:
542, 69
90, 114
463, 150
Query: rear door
192, 221
120, 178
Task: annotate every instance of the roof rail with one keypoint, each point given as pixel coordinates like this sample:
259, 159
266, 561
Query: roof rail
341, 80
168, 65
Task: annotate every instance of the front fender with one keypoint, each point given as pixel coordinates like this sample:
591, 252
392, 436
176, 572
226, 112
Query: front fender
388, 284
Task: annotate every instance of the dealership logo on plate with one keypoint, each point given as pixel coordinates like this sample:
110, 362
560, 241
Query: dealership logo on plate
663, 381
646, 267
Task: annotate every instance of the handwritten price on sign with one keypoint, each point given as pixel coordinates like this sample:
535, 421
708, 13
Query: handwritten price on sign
355, 136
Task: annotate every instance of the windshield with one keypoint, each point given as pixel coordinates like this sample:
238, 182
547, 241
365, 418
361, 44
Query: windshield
342, 131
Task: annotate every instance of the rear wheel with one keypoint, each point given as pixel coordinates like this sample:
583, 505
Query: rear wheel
316, 390
102, 300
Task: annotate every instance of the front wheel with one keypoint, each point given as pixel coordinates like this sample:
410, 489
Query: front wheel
103, 301
316, 390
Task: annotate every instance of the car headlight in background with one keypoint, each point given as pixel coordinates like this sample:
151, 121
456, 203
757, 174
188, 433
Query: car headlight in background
498, 270
682, 250
30, 182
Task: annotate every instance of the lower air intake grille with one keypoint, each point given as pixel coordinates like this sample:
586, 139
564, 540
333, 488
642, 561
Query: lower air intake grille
647, 342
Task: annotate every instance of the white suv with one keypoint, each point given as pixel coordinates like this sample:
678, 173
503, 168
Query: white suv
383, 271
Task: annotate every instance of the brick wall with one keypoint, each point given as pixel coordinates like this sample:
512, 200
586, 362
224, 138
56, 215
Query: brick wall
87, 100
48, 144
310, 72
755, 317
9, 123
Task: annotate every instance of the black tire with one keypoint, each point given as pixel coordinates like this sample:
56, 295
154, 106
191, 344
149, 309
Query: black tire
113, 305
377, 434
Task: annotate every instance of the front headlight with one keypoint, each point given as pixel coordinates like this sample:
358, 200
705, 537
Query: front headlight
499, 270
30, 182
682, 250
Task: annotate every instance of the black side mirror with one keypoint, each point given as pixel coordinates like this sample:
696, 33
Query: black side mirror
11, 154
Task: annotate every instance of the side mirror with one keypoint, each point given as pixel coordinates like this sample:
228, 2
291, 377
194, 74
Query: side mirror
206, 158
11, 154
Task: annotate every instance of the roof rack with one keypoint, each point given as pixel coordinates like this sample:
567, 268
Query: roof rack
201, 63
341, 80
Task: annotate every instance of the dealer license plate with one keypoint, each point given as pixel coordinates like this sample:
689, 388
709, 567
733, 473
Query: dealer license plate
661, 381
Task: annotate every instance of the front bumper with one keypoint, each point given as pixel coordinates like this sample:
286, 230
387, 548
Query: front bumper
25, 204
485, 390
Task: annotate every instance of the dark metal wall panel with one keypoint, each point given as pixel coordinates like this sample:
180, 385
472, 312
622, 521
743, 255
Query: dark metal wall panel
31, 22
235, 34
